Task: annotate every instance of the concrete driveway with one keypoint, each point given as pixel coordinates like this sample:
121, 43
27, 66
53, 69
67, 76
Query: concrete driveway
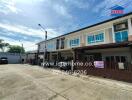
25, 82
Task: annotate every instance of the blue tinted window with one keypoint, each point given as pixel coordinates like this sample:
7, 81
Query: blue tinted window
74, 42
50, 46
77, 41
95, 38
121, 36
124, 35
118, 37
90, 39
99, 37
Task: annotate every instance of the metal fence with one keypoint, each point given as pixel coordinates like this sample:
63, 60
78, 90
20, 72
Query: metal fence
113, 70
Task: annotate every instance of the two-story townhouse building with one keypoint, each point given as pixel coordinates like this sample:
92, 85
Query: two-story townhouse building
109, 41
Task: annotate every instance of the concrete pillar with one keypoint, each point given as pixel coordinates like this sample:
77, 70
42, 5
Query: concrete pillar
74, 55
72, 65
129, 29
50, 56
130, 49
38, 50
113, 34
82, 40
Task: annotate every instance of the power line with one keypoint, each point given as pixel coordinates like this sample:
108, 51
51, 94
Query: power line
125, 5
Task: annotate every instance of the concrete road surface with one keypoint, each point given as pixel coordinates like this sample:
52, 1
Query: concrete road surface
25, 82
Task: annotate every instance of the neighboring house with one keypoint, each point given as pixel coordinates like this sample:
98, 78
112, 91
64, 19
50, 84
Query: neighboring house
31, 57
109, 40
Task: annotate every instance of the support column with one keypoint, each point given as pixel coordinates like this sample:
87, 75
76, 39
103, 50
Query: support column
38, 60
74, 55
50, 58
58, 56
129, 29
113, 34
131, 52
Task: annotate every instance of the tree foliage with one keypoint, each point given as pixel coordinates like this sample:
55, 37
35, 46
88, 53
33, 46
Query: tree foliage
16, 49
3, 45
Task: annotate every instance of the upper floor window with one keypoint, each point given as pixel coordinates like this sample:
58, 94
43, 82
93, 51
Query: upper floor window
50, 46
121, 36
99, 37
57, 43
91, 39
62, 43
74, 42
95, 38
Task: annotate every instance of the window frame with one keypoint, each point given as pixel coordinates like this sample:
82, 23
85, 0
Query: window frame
95, 40
91, 36
74, 42
122, 40
99, 38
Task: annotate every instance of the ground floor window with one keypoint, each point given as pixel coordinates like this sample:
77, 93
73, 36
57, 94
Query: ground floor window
116, 59
114, 62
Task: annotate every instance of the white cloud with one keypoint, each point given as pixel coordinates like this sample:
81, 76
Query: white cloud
28, 31
26, 44
80, 3
62, 10
8, 6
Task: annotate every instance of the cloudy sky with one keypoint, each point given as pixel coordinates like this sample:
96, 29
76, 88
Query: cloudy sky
19, 19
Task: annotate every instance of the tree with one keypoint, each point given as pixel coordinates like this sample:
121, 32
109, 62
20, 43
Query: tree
3, 45
16, 49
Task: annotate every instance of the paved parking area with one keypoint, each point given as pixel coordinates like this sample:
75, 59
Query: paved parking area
25, 82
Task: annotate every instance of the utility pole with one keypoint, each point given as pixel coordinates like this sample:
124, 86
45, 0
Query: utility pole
21, 51
45, 49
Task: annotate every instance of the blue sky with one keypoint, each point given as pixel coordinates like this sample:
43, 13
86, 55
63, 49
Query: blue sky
19, 19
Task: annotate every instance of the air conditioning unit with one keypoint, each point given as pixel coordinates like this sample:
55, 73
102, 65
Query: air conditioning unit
120, 26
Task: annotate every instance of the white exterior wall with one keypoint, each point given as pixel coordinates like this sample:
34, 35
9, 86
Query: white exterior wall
130, 28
